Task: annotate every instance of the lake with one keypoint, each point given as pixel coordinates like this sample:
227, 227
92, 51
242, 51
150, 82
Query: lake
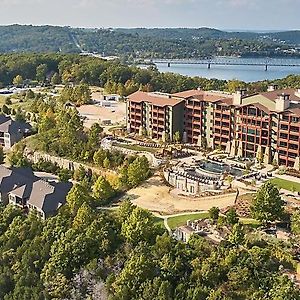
242, 72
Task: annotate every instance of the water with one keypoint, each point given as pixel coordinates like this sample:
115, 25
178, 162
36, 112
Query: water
219, 168
244, 73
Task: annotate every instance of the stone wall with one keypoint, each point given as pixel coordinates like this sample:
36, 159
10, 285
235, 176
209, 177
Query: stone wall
35, 156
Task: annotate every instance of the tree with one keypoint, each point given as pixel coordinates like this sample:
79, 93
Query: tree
139, 226
295, 222
259, 157
177, 137
64, 175
106, 163
99, 157
18, 80
55, 79
94, 135
267, 205
29, 94
237, 235
102, 190
76, 197
232, 217
214, 213
138, 268
84, 216
204, 143
1, 155
284, 289
81, 94
125, 210
234, 85
79, 174
138, 171
8, 101
5, 109
41, 72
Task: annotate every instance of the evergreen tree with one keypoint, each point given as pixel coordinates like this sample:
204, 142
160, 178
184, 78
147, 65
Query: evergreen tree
267, 205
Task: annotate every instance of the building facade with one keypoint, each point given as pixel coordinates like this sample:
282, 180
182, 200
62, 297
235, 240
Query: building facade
21, 188
265, 126
12, 131
155, 115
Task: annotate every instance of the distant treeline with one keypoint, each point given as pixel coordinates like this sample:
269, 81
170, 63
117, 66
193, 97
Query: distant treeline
114, 76
147, 43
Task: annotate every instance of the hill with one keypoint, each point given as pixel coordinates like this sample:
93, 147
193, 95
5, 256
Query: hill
148, 43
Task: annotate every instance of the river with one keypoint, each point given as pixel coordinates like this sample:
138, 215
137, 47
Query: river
242, 72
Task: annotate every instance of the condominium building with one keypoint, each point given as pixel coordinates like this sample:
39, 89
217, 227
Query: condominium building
265, 125
155, 114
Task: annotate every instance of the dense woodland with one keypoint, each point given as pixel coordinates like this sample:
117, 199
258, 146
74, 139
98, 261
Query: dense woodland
19, 69
147, 43
86, 253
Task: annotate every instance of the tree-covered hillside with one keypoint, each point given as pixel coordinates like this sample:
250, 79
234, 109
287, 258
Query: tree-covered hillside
18, 38
147, 43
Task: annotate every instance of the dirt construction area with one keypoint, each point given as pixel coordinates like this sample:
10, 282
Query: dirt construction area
96, 113
155, 196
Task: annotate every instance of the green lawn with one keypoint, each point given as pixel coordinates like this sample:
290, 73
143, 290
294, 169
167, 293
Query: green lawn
286, 184
174, 222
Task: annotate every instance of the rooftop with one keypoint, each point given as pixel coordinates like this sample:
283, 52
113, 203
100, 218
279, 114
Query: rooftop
7, 124
155, 98
209, 96
273, 95
24, 184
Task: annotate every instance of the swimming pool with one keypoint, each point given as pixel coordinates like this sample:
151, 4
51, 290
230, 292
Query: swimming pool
219, 168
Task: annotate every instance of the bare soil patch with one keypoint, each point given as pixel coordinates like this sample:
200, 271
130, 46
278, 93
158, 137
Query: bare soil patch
155, 196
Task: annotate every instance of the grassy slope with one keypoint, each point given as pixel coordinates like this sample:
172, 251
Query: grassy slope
285, 184
174, 222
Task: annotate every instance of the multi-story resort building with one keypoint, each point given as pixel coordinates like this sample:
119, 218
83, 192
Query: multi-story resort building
265, 124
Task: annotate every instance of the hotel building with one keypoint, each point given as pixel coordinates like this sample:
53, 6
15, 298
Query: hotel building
265, 124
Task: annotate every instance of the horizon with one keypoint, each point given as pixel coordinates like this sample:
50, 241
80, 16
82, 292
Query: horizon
157, 27
245, 15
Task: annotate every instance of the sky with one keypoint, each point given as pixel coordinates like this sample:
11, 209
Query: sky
221, 14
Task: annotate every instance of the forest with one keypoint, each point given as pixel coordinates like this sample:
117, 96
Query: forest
114, 76
86, 253
131, 44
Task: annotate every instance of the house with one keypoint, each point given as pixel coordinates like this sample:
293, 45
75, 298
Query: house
20, 187
12, 131
203, 228
184, 233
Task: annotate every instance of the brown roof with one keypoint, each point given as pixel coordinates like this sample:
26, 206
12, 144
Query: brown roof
227, 101
155, 99
188, 93
274, 94
258, 105
294, 109
207, 96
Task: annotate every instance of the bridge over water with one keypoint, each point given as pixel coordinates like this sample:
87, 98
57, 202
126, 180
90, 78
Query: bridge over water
266, 63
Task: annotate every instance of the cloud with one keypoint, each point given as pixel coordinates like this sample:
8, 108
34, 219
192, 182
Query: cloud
18, 2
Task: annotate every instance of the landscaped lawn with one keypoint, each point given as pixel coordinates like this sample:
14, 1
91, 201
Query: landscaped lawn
174, 222
286, 184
